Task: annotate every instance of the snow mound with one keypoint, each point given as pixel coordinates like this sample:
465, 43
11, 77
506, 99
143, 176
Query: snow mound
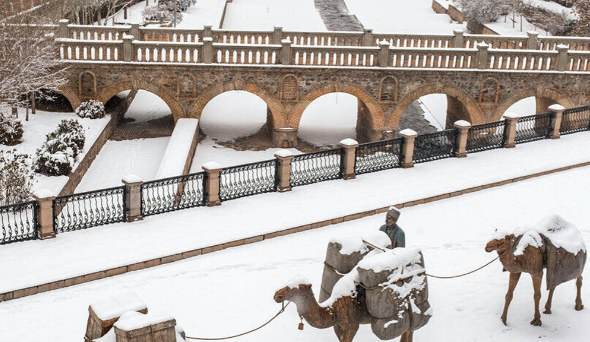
178, 149
562, 234
349, 142
115, 306
354, 243
408, 132
284, 153
134, 320
404, 259
294, 282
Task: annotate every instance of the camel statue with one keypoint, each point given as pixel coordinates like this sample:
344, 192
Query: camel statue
346, 314
533, 250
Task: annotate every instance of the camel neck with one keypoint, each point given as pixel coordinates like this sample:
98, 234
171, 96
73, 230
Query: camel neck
315, 315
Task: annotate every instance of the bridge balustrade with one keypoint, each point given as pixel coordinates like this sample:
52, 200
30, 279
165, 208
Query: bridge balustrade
495, 42
336, 56
439, 41
522, 60
574, 43
168, 53
95, 32
243, 37
240, 54
74, 50
333, 38
432, 58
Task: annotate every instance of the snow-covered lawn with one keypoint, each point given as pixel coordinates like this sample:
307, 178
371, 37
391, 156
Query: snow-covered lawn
118, 159
205, 12
231, 291
43, 123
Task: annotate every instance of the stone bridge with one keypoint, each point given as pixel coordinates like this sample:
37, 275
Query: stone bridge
482, 76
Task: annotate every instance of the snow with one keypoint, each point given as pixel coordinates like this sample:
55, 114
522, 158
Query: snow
211, 166
43, 193
114, 306
349, 142
131, 178
146, 106
135, 320
140, 157
435, 109
408, 132
284, 153
294, 282
356, 243
462, 123
329, 119
178, 149
524, 107
205, 12
512, 115
556, 107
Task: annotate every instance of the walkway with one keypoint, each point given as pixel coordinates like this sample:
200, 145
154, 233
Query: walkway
30, 263
336, 17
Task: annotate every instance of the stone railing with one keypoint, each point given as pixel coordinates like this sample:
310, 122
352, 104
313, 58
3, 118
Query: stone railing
75, 50
167, 52
335, 56
433, 58
333, 38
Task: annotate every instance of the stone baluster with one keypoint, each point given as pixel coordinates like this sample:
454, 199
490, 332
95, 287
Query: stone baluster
128, 53
462, 127
208, 55
368, 37
557, 111
286, 52
64, 30
482, 56
44, 217
562, 57
284, 158
458, 39
383, 54
532, 42
213, 170
132, 198
510, 129
277, 35
408, 147
348, 158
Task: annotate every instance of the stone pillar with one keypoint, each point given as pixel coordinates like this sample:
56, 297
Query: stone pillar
208, 50
44, 200
286, 52
284, 137
277, 35
482, 56
135, 31
155, 328
212, 184
532, 42
562, 57
128, 55
408, 147
462, 127
557, 111
63, 31
284, 158
458, 39
383, 54
368, 37
349, 158
510, 129
207, 32
132, 198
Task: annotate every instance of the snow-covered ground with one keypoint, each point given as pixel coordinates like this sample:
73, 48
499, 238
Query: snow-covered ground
329, 119
231, 291
117, 159
43, 123
146, 106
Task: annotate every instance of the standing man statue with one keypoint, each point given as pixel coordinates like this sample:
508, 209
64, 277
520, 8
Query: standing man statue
395, 233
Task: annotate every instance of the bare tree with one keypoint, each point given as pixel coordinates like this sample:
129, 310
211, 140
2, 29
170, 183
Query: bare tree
582, 26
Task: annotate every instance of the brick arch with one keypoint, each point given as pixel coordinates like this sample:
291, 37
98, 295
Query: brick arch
552, 94
274, 104
474, 112
170, 98
71, 94
376, 117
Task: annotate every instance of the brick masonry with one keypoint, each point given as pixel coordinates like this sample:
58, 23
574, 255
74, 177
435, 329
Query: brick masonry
240, 242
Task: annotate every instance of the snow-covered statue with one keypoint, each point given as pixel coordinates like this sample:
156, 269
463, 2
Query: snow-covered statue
386, 288
554, 244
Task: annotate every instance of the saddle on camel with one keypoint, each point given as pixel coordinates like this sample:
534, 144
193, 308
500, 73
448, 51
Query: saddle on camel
387, 289
554, 244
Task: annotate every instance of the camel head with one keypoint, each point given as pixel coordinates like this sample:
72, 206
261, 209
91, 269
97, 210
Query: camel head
290, 292
501, 245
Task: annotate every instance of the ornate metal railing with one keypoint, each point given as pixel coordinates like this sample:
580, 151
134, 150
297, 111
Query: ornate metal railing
89, 209
248, 179
18, 222
575, 120
439, 145
533, 127
486, 136
316, 167
380, 155
170, 194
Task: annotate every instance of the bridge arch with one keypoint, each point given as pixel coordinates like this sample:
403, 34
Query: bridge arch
276, 109
168, 97
71, 94
544, 98
370, 113
470, 109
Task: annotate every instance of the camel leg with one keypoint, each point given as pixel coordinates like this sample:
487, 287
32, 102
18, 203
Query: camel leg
549, 300
408, 336
537, 279
579, 305
345, 334
514, 277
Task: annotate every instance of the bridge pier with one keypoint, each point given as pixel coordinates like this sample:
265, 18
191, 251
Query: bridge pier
455, 111
284, 137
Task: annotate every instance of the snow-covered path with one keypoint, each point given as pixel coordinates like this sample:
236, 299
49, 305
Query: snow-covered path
71, 254
231, 291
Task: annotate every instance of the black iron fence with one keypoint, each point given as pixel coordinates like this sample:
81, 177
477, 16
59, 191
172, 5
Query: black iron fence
575, 120
486, 136
170, 194
533, 127
316, 167
18, 222
88, 209
249, 179
434, 146
377, 156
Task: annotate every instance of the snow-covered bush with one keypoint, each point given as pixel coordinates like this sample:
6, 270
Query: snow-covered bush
91, 109
58, 154
481, 11
16, 177
11, 130
164, 10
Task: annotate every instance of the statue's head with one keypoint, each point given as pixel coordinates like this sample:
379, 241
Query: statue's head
392, 216
500, 244
290, 292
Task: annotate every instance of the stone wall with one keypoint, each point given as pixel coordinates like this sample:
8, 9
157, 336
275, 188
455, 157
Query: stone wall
438, 8
455, 14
